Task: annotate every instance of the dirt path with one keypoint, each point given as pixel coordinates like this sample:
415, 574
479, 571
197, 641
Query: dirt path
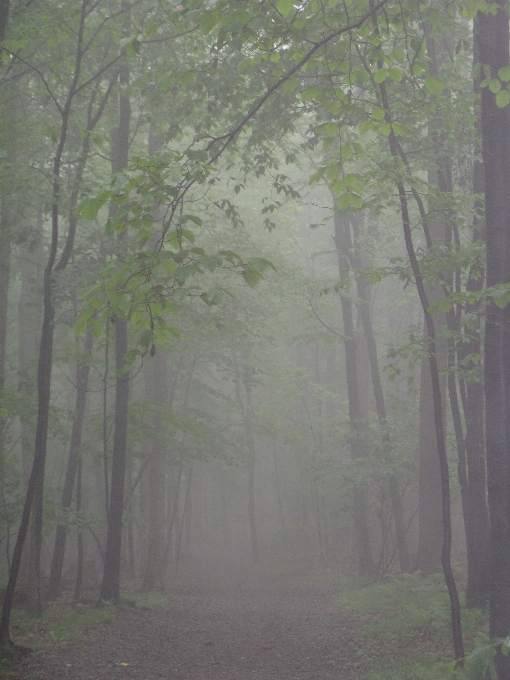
245, 631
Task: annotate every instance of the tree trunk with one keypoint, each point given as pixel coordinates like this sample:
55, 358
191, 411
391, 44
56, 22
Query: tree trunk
365, 561
476, 518
110, 587
397, 153
82, 376
430, 519
154, 571
380, 405
248, 423
5, 267
79, 537
493, 44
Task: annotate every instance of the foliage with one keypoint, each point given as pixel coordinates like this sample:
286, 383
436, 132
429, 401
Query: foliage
405, 626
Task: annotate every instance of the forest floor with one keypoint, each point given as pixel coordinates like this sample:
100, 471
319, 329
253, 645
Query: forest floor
255, 626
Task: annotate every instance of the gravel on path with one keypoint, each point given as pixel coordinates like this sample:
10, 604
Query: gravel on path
245, 631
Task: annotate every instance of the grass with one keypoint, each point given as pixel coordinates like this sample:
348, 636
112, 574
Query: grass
60, 623
404, 624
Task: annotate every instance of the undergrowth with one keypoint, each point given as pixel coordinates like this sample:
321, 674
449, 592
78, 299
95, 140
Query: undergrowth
59, 624
405, 628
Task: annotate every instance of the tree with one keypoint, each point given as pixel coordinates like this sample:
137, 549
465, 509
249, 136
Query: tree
493, 45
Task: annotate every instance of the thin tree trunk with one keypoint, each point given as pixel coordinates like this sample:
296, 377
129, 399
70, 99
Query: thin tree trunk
5, 266
380, 405
185, 513
397, 153
365, 561
34, 495
79, 537
247, 414
82, 377
155, 554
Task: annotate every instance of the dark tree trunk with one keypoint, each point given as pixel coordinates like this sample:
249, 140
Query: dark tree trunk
493, 44
82, 376
436, 391
110, 587
476, 514
365, 561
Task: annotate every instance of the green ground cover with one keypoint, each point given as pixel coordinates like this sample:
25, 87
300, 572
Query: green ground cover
404, 628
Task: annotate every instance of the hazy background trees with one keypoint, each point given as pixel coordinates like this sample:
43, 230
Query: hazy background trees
234, 244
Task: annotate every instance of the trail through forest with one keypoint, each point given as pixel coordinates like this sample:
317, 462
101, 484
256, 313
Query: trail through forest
236, 629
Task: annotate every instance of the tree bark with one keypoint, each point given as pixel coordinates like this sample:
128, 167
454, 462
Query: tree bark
476, 518
82, 376
493, 44
110, 587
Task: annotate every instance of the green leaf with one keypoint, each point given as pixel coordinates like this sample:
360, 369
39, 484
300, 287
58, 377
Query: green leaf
478, 661
378, 113
331, 129
89, 209
494, 85
398, 128
364, 127
96, 328
357, 201
290, 85
503, 98
395, 74
346, 152
251, 277
380, 76
344, 201
285, 6
504, 74
261, 264
80, 325
434, 85
310, 93
193, 218
216, 296
169, 266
